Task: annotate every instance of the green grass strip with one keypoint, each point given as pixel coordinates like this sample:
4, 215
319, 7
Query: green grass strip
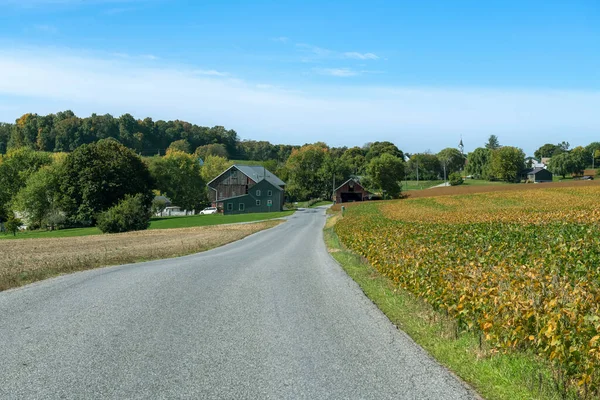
157, 223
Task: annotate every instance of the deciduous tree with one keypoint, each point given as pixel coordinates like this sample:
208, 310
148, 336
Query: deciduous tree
429, 167
547, 150
507, 163
15, 168
97, 176
39, 199
181, 145
452, 158
303, 165
376, 149
213, 167
177, 176
478, 163
385, 173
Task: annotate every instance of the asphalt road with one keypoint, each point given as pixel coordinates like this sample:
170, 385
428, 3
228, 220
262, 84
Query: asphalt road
269, 317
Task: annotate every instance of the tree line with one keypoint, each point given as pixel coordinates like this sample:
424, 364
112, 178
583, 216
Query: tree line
103, 182
64, 132
105, 166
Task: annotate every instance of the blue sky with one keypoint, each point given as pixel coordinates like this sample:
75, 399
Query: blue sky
420, 73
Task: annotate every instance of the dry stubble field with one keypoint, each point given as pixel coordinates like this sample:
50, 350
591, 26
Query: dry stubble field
27, 260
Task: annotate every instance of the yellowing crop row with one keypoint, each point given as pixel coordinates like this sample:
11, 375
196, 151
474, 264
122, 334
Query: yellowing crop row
522, 268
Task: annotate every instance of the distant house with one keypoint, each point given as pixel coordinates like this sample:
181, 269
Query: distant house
247, 189
546, 160
171, 210
350, 191
537, 175
163, 199
532, 162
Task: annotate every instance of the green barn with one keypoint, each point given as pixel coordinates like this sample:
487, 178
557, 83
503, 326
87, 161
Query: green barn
247, 189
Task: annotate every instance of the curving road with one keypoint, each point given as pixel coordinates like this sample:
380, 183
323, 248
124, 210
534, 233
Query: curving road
269, 317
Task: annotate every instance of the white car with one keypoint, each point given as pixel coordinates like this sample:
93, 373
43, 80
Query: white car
209, 210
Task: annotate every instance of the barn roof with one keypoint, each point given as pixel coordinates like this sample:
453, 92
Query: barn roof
351, 179
535, 170
254, 172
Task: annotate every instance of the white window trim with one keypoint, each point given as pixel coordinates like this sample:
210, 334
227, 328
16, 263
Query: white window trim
269, 202
258, 193
269, 193
229, 206
241, 207
258, 202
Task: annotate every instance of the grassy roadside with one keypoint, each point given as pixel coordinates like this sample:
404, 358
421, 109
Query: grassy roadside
156, 223
27, 261
502, 376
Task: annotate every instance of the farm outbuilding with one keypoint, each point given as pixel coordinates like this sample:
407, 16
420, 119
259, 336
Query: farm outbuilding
247, 189
538, 175
351, 191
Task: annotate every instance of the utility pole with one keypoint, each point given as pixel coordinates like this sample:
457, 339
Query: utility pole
445, 180
593, 153
417, 173
333, 188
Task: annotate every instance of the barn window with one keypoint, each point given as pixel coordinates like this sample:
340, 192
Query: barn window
258, 193
269, 202
269, 193
241, 208
229, 206
258, 202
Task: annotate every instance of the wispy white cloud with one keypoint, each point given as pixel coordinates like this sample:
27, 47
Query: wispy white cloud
361, 56
339, 72
209, 72
35, 3
281, 39
319, 51
50, 29
416, 118
118, 10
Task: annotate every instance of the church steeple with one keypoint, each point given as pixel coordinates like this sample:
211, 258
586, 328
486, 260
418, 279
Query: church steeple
461, 146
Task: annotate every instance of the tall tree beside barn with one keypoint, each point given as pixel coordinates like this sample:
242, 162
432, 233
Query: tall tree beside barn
507, 163
302, 166
377, 149
386, 173
177, 176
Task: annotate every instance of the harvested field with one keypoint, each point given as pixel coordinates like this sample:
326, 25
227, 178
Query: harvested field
27, 260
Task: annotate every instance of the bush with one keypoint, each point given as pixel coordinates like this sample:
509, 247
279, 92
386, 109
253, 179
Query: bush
455, 179
312, 202
130, 214
13, 224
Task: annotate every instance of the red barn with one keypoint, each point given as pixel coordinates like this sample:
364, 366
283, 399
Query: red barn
350, 191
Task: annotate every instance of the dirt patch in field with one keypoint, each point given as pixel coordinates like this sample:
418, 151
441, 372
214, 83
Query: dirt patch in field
27, 260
